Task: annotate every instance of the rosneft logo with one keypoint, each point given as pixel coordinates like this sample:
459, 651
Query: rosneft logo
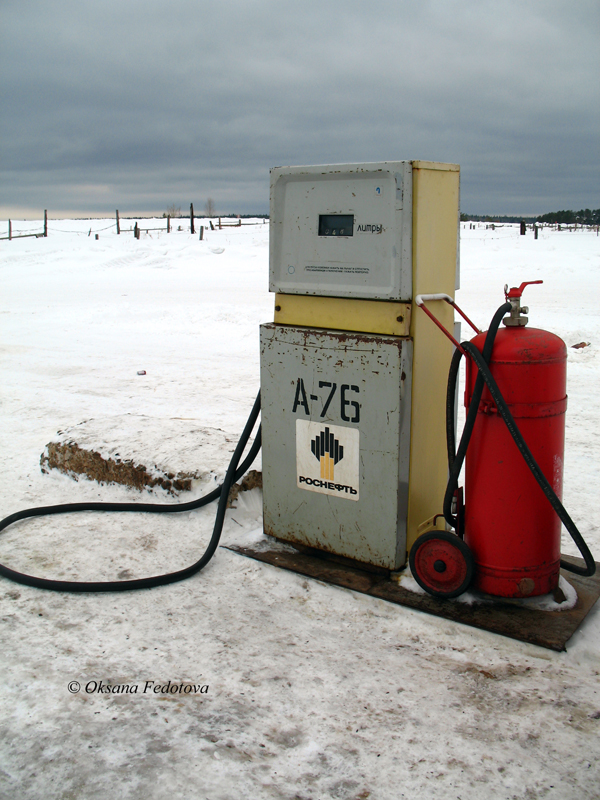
327, 459
328, 451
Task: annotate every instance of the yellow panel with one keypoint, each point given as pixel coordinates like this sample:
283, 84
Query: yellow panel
435, 241
343, 314
435, 165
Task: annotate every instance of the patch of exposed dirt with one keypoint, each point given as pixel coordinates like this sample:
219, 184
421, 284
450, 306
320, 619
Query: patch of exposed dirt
73, 460
253, 480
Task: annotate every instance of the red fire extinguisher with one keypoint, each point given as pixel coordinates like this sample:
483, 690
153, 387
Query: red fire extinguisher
508, 541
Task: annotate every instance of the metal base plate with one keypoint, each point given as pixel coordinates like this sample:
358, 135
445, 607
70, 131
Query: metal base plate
550, 629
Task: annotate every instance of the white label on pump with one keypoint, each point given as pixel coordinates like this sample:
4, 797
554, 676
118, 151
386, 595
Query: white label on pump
327, 459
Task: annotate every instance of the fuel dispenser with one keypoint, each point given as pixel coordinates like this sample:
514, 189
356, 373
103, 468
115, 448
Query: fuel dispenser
353, 381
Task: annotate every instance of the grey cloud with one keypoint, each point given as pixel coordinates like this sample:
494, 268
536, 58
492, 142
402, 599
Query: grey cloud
157, 102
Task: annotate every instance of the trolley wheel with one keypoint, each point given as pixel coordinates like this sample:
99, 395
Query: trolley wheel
442, 564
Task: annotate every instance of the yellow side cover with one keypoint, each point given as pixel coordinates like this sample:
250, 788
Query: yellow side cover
434, 246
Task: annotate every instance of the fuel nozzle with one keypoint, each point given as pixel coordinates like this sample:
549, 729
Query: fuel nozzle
513, 296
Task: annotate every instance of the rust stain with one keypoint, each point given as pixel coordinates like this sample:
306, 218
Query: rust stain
526, 586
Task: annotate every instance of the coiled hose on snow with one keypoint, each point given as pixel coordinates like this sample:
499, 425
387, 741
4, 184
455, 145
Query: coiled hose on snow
234, 472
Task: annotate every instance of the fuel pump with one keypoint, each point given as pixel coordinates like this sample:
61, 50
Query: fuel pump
352, 394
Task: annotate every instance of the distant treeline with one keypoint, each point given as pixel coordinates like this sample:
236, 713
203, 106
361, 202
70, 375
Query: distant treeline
204, 215
488, 218
583, 217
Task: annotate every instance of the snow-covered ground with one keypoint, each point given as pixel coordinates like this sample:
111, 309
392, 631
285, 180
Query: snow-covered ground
313, 691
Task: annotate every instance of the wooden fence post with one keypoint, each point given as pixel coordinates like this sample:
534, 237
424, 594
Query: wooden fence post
168, 224
192, 218
212, 227
201, 232
45, 222
220, 226
118, 225
136, 231
523, 227
9, 229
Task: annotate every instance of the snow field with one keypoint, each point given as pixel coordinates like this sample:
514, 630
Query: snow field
315, 692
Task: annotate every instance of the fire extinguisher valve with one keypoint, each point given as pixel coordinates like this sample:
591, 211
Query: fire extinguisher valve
516, 320
513, 296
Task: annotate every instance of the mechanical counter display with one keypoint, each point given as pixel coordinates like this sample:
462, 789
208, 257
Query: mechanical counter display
349, 384
342, 232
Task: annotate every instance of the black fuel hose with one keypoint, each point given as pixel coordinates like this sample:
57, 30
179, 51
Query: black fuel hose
455, 460
455, 463
234, 472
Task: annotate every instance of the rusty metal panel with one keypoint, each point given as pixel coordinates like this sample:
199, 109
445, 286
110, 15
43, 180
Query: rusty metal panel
336, 441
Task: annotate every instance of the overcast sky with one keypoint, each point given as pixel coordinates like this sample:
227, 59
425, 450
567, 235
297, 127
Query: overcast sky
139, 104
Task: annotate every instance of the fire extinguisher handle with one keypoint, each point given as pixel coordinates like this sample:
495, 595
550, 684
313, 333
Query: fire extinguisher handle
517, 291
